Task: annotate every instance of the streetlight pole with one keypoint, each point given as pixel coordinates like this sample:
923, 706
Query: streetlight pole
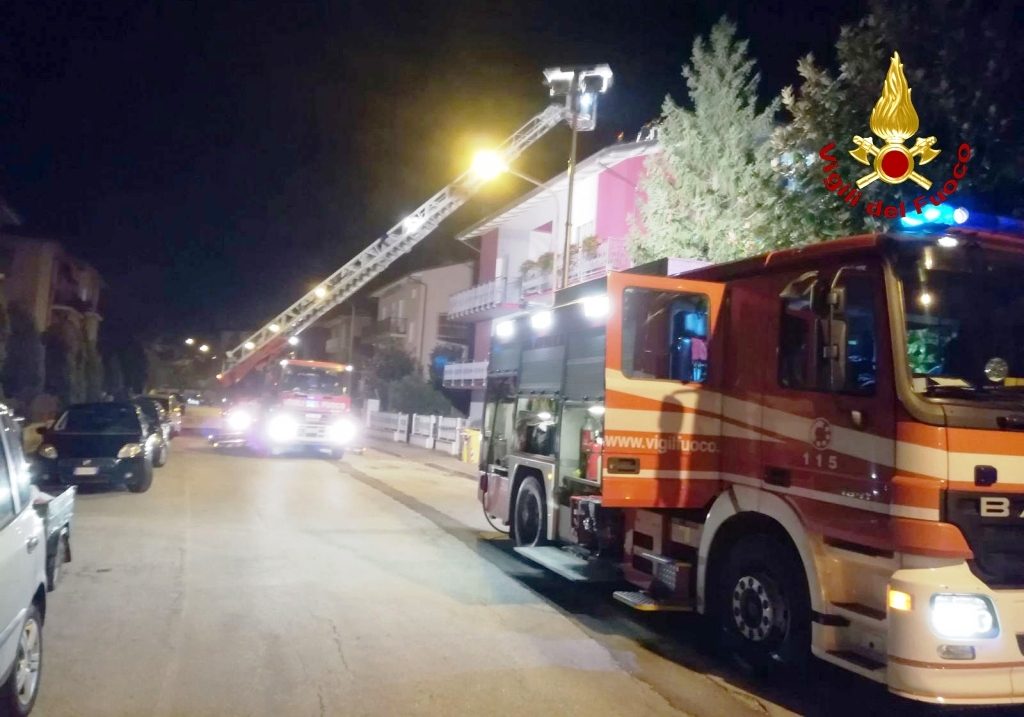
573, 111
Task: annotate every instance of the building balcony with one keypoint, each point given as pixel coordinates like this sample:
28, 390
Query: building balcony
388, 328
485, 301
456, 332
472, 374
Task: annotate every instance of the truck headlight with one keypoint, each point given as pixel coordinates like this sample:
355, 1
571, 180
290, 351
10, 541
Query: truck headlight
130, 450
282, 427
342, 431
239, 419
963, 616
47, 451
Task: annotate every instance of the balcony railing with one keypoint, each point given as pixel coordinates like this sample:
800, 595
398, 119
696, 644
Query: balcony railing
465, 375
388, 327
490, 295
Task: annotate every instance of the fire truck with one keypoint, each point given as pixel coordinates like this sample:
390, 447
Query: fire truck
301, 405
820, 449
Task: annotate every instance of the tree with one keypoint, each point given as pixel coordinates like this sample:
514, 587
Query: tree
959, 93
411, 394
708, 194
441, 356
92, 364
61, 376
23, 364
389, 363
114, 375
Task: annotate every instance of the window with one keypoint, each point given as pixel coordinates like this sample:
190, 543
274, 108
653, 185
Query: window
858, 315
801, 341
22, 479
827, 339
665, 335
536, 425
6, 494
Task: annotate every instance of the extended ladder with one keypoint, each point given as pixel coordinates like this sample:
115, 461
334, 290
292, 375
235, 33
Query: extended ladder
372, 260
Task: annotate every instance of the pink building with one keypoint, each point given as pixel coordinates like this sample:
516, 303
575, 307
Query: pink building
522, 247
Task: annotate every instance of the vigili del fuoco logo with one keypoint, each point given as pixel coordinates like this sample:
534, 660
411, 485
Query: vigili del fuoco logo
893, 120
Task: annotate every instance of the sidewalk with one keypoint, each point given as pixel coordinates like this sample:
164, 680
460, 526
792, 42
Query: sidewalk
434, 459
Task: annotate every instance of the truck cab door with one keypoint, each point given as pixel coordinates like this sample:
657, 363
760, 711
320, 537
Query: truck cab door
830, 405
662, 401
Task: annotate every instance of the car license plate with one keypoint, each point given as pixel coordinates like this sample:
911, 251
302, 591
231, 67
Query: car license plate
86, 471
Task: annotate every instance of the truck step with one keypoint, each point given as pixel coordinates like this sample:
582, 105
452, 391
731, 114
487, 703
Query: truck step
571, 566
644, 601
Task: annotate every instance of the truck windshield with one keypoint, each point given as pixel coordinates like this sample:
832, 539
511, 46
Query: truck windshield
306, 379
964, 307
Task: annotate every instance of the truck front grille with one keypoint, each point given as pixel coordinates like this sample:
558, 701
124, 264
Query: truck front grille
995, 533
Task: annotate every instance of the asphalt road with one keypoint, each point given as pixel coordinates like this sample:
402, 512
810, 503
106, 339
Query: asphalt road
367, 586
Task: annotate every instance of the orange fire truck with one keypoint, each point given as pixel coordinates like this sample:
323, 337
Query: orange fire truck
821, 449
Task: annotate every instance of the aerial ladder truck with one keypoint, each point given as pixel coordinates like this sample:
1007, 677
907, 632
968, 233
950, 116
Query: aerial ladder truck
275, 417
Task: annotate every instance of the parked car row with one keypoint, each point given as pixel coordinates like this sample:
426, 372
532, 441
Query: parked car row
118, 443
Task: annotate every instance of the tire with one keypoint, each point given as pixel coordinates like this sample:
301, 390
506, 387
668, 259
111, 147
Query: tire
528, 514
18, 694
55, 564
762, 606
160, 460
143, 482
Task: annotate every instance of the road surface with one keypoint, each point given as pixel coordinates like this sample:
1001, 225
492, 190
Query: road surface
366, 586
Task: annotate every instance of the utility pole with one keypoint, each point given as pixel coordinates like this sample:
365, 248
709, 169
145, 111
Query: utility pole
574, 97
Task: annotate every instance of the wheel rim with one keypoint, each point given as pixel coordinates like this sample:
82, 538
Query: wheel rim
27, 663
760, 611
528, 517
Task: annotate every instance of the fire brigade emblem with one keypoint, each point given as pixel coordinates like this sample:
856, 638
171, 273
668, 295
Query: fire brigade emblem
821, 434
894, 120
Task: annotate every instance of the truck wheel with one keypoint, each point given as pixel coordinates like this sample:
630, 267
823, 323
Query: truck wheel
763, 607
528, 515
18, 693
142, 483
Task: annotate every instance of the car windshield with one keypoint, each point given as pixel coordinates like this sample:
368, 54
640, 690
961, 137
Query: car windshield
98, 418
964, 308
308, 379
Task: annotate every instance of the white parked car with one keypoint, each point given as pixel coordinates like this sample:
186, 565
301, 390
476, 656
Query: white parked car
23, 581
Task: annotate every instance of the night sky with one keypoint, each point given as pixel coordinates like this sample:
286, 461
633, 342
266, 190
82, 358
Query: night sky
215, 158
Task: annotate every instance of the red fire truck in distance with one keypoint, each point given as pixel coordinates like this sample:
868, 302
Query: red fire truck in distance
821, 449
300, 405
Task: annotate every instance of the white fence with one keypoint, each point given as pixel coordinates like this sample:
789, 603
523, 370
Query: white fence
389, 426
433, 432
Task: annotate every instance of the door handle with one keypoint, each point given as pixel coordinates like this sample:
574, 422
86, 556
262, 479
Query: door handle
623, 465
774, 475
32, 543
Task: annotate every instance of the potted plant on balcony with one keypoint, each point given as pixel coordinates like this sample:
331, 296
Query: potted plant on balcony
527, 267
591, 246
546, 262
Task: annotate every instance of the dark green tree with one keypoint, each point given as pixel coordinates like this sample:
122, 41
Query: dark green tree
114, 375
24, 362
961, 64
709, 192
412, 394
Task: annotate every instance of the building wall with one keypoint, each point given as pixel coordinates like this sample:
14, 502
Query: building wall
617, 197
420, 300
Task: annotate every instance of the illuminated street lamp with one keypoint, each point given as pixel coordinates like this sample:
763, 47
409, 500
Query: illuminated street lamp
293, 340
189, 341
581, 86
204, 348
